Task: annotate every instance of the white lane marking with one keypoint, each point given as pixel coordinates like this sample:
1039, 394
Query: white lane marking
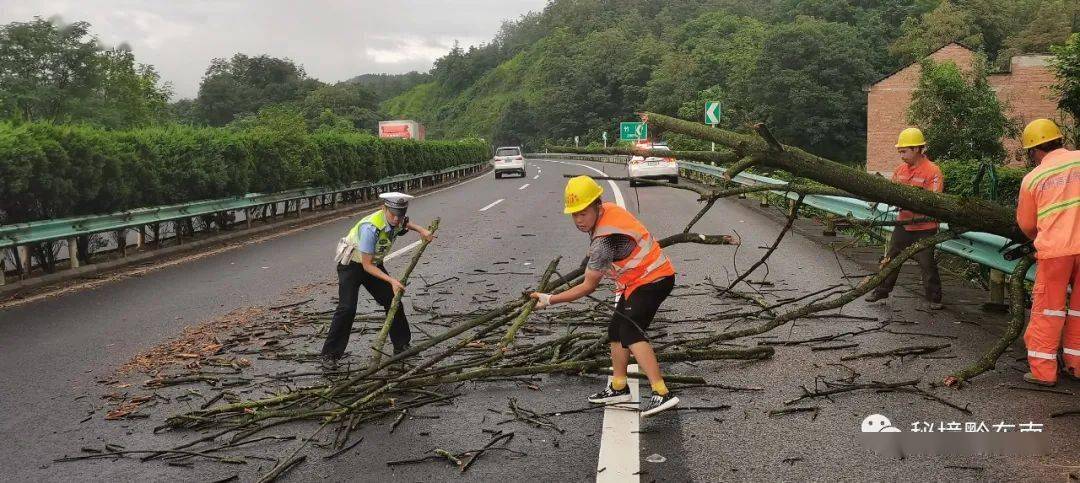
405, 249
455, 185
500, 200
416, 243
620, 444
620, 453
526, 185
614, 187
536, 177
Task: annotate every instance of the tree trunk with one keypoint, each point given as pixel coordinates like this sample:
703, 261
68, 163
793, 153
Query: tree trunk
972, 214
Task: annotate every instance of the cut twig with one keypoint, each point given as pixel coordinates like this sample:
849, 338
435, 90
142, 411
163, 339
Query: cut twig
898, 352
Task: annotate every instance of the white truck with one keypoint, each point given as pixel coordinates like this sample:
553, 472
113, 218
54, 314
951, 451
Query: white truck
402, 129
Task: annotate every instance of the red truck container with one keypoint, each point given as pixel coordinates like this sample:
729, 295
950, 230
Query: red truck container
404, 129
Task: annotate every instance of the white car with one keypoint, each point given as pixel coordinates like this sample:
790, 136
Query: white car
653, 167
508, 159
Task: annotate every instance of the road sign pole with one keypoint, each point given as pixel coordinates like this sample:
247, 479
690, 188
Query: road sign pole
712, 117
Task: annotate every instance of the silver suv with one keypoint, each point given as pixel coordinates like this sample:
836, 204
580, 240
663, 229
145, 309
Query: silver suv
508, 159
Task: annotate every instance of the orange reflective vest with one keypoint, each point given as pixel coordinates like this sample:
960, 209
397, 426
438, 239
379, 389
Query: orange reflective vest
926, 175
645, 264
1049, 207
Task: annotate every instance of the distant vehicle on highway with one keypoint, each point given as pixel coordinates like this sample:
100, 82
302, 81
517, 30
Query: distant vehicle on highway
508, 159
653, 167
402, 129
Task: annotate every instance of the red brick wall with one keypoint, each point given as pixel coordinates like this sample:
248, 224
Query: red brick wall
1026, 89
886, 108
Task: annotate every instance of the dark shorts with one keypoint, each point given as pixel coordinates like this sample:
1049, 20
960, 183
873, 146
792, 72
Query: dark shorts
633, 314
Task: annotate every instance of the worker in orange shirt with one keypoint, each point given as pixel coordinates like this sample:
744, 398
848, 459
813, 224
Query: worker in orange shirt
1049, 213
916, 170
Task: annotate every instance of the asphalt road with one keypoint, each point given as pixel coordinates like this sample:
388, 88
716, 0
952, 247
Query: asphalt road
55, 350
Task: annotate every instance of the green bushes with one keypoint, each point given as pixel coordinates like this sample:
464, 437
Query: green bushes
959, 176
53, 171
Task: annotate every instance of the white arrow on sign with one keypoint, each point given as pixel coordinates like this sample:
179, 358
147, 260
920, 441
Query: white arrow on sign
712, 112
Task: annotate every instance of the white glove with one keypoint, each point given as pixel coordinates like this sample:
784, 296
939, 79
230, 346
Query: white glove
543, 300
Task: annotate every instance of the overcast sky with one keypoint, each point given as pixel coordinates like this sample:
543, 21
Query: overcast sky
333, 39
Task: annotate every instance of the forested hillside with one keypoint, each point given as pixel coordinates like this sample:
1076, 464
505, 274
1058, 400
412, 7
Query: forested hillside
580, 66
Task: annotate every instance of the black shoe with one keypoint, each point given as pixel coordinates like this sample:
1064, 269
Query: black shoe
874, 297
328, 363
611, 396
399, 350
658, 403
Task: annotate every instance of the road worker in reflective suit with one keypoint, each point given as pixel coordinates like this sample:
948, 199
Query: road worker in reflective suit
622, 249
1049, 213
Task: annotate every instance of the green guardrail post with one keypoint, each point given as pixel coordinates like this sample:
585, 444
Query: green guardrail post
24, 257
121, 242
73, 252
997, 287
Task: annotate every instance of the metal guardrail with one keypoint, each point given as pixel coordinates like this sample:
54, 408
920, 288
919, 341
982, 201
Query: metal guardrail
14, 235
45, 230
982, 248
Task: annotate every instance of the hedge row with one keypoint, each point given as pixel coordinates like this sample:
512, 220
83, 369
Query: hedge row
52, 171
959, 176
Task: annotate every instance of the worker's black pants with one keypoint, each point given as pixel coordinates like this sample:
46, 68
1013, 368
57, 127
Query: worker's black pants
350, 278
902, 239
633, 314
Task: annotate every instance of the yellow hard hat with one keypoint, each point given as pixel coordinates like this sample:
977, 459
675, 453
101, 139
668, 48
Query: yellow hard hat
581, 191
1040, 131
911, 137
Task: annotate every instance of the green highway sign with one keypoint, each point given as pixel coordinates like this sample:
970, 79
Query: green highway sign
712, 112
633, 131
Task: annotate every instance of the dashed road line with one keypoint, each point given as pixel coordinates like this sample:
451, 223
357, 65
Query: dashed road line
526, 185
500, 200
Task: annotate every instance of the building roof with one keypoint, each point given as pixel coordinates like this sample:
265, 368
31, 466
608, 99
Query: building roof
905, 66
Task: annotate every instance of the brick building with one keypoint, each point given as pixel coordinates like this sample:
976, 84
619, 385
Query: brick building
1025, 87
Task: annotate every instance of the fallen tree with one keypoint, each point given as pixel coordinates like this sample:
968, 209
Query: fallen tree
746, 151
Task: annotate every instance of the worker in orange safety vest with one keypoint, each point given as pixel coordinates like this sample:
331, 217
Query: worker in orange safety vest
621, 248
1049, 213
916, 170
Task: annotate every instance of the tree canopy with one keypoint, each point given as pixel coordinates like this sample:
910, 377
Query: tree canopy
577, 68
61, 73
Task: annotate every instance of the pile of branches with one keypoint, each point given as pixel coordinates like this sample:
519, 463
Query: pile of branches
485, 345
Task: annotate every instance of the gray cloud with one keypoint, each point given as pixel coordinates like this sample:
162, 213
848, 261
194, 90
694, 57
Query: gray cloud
333, 39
